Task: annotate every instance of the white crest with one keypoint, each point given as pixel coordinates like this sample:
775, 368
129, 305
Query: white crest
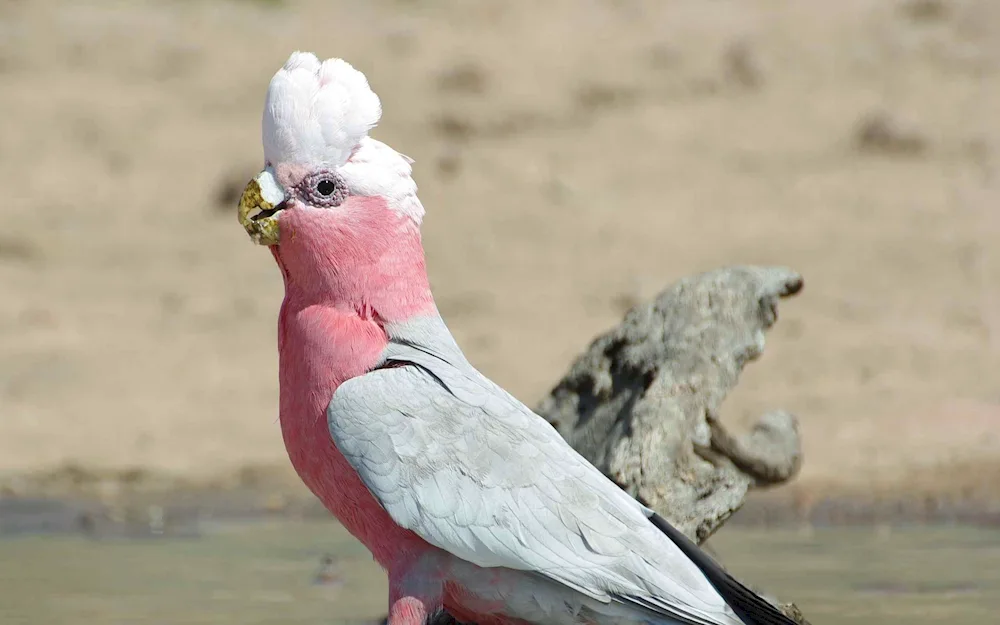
317, 113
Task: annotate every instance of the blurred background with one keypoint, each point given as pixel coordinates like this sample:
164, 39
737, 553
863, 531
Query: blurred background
575, 157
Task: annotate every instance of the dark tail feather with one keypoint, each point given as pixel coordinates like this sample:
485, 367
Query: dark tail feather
748, 605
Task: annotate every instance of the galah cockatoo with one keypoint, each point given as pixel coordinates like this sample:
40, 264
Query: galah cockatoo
471, 502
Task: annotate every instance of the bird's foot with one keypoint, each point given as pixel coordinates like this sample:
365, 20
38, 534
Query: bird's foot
408, 611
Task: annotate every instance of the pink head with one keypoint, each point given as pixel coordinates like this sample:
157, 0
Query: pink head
338, 209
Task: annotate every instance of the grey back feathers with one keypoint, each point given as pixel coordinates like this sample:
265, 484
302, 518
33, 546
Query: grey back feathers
470, 469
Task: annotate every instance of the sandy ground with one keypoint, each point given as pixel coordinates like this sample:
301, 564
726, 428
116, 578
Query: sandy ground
573, 156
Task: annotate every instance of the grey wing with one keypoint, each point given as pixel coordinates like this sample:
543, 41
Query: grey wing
471, 470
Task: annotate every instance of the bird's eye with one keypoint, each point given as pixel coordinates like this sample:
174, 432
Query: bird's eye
323, 189
326, 187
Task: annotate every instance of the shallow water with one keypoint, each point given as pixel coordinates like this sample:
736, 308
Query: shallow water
267, 573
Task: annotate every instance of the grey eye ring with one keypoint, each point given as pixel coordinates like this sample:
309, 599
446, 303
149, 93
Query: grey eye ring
323, 189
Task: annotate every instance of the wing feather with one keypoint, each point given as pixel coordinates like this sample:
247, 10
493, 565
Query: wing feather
463, 464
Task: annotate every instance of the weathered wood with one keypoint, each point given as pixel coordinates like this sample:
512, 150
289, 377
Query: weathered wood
641, 402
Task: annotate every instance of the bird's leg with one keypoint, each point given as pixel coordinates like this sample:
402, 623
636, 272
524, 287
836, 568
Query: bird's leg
416, 591
408, 610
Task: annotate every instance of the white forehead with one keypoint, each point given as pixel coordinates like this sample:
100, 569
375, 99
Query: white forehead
317, 113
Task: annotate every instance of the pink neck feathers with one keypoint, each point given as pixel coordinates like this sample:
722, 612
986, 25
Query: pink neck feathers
345, 275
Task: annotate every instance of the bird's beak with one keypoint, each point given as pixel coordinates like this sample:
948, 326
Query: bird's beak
262, 200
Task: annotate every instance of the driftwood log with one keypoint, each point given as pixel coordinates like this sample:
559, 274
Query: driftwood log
642, 402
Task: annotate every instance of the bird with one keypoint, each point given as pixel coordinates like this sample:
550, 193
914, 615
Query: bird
473, 504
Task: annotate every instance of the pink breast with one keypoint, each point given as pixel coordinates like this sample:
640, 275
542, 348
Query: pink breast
321, 348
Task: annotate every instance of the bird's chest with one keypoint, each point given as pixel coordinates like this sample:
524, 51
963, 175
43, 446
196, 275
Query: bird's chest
319, 350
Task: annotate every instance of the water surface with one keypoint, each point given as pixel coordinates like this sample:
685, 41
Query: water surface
272, 573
